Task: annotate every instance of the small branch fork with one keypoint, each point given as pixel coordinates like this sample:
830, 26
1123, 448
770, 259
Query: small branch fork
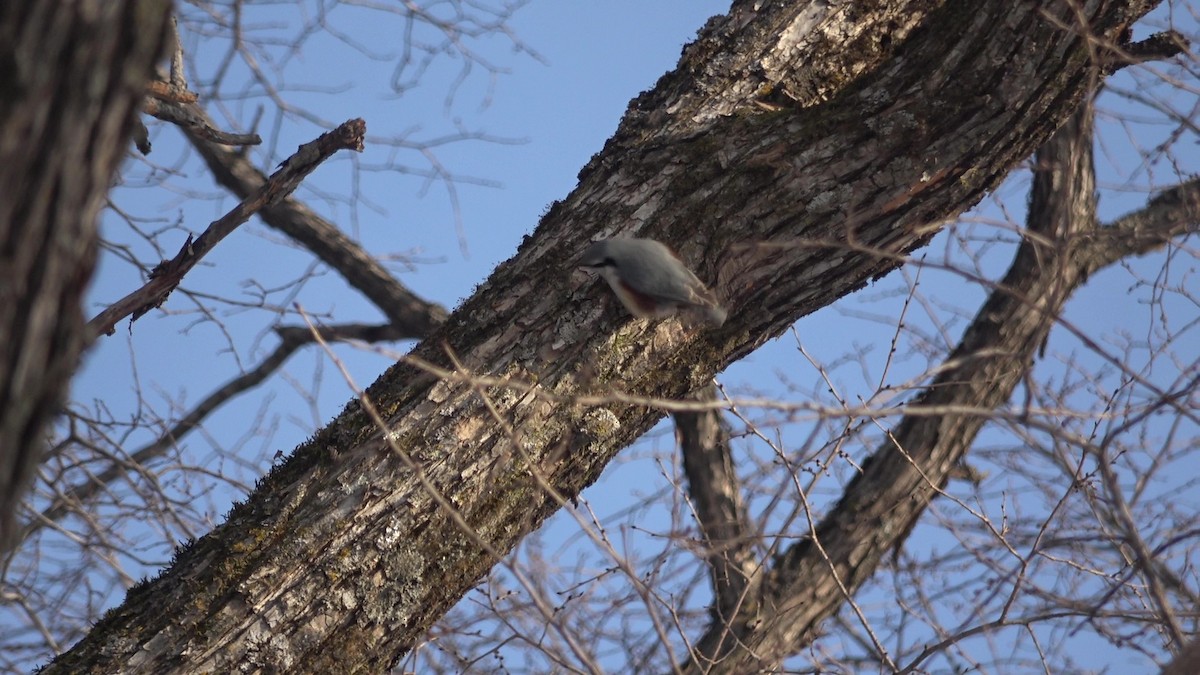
176, 108
167, 275
171, 101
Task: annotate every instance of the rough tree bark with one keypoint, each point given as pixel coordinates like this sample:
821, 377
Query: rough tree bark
845, 131
71, 78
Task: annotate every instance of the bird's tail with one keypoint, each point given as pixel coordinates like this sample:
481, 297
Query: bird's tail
716, 315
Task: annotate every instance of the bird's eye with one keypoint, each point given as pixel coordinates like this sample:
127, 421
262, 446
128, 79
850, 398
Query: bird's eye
609, 262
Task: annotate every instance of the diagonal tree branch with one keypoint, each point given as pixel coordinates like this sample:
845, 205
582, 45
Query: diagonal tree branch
360, 269
167, 275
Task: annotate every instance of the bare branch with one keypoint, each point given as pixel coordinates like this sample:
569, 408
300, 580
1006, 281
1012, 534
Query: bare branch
292, 338
1157, 47
714, 491
168, 274
170, 92
184, 117
328, 243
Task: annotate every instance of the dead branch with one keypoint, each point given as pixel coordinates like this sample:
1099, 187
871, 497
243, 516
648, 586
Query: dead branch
169, 273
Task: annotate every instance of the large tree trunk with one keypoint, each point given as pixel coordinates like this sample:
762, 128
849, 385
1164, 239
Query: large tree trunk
346, 553
71, 77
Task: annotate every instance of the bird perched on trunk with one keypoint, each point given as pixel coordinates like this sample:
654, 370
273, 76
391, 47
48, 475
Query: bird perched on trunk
650, 279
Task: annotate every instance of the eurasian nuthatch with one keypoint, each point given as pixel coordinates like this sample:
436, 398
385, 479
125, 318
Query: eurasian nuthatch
649, 279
